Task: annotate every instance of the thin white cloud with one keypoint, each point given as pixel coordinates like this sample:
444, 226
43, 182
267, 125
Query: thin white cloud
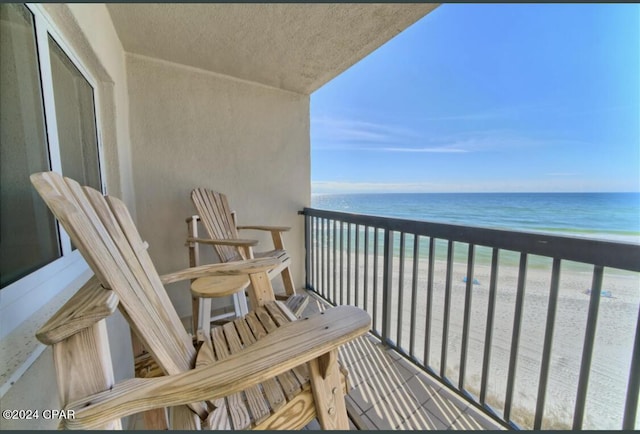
498, 113
442, 149
561, 174
502, 113
331, 134
577, 184
328, 129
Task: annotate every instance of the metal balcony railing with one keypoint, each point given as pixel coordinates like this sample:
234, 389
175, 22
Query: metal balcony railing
363, 260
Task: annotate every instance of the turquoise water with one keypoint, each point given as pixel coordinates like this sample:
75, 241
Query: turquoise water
604, 216
611, 216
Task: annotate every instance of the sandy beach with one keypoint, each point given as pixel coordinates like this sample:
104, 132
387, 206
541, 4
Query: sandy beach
615, 330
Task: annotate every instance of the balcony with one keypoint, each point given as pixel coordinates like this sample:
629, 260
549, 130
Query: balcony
211, 105
533, 331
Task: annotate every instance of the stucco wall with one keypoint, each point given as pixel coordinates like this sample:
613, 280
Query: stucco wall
193, 128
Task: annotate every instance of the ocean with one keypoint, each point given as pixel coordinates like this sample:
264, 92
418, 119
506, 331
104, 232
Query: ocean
604, 216
608, 216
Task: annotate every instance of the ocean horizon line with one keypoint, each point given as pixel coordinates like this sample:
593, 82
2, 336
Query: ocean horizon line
471, 192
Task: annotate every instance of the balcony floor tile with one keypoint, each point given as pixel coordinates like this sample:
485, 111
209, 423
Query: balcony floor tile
388, 392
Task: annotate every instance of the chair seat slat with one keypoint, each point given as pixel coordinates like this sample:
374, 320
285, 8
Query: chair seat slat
218, 419
258, 406
288, 380
235, 403
277, 314
272, 390
265, 319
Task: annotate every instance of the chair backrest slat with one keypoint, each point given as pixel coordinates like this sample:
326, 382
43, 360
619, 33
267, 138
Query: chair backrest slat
215, 213
140, 247
156, 305
105, 235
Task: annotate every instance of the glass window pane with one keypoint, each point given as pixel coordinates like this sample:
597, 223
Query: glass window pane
75, 117
28, 238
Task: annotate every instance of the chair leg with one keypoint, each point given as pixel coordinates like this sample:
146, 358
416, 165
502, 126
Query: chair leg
278, 243
240, 304
204, 315
287, 280
83, 366
195, 314
327, 392
194, 261
260, 291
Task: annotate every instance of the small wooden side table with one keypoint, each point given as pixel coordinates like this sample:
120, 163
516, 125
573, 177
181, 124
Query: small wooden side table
206, 288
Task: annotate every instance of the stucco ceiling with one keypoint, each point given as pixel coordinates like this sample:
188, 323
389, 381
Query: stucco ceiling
296, 47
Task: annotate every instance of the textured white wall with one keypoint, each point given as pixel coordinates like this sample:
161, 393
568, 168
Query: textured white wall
192, 128
292, 46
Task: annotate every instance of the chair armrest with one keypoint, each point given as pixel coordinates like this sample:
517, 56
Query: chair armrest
249, 266
235, 242
267, 228
92, 303
291, 345
276, 233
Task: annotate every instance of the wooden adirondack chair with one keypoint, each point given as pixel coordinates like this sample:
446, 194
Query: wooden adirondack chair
220, 223
265, 370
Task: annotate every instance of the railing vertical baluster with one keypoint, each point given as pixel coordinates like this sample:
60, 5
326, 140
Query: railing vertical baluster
323, 231
548, 340
320, 257
335, 261
341, 264
587, 349
366, 268
414, 295
357, 264
348, 263
427, 325
467, 315
376, 241
319, 276
317, 257
515, 336
308, 251
633, 387
400, 290
328, 267
488, 334
387, 284
447, 308
311, 255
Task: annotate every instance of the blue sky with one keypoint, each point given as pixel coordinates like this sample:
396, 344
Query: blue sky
488, 97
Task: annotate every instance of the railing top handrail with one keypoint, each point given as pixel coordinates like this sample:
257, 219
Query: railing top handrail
615, 254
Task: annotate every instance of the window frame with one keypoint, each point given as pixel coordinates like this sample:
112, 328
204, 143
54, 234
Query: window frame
43, 284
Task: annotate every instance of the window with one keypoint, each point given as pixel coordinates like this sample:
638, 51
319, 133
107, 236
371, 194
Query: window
75, 116
47, 122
